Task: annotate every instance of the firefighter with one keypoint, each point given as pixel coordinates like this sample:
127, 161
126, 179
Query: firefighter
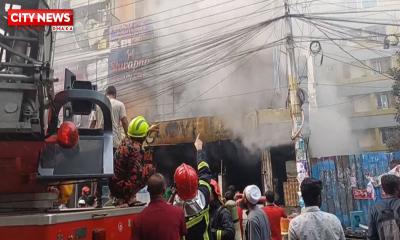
133, 163
193, 192
221, 223
85, 193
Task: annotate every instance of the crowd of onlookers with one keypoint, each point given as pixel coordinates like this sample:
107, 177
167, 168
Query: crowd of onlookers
251, 216
247, 215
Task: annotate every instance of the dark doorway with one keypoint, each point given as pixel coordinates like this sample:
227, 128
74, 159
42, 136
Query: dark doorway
279, 156
240, 167
168, 158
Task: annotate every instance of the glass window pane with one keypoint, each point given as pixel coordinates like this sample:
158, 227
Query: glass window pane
369, 3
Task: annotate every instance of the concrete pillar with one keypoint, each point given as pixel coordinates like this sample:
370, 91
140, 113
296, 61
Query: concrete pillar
266, 170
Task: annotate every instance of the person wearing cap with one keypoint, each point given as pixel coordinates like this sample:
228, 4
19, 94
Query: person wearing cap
257, 226
85, 193
81, 203
221, 223
133, 163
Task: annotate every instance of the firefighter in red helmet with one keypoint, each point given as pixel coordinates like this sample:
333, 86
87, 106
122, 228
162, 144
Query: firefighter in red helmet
85, 193
193, 195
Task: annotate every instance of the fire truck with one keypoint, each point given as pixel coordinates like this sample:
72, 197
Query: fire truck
39, 149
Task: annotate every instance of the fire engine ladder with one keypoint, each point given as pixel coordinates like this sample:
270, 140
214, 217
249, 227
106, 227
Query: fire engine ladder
26, 83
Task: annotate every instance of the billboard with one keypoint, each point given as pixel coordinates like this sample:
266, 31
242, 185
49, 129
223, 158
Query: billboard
130, 52
129, 34
91, 22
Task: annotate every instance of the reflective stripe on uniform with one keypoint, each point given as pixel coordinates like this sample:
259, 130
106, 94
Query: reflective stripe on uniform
197, 219
206, 184
206, 213
203, 214
202, 164
219, 234
207, 218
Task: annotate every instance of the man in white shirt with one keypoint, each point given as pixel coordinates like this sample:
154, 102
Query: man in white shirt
118, 114
312, 223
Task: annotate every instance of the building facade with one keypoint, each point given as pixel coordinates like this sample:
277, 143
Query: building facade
109, 46
357, 77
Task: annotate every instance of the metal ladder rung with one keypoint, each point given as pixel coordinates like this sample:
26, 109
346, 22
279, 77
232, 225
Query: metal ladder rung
26, 39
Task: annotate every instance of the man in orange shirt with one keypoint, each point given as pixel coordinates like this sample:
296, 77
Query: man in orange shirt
274, 214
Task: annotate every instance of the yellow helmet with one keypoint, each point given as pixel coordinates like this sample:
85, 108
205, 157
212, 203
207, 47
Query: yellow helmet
138, 127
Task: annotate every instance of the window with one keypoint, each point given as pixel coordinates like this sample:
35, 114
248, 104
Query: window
387, 133
383, 100
369, 3
346, 71
381, 65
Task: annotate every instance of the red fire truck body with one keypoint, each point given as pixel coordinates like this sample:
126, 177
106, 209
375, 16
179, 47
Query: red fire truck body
107, 223
38, 149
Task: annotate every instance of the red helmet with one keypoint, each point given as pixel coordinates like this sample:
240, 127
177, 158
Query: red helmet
86, 190
215, 186
186, 182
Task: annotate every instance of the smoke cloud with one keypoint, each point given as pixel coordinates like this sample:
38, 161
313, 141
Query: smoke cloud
233, 91
241, 88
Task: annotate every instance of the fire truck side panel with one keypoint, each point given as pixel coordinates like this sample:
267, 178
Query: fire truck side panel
19, 164
111, 224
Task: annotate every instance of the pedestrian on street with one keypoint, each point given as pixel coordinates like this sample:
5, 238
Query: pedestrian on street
118, 114
257, 226
133, 164
193, 192
221, 223
159, 220
230, 204
274, 214
243, 214
384, 216
312, 223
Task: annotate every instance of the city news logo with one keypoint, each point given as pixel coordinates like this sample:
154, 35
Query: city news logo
58, 19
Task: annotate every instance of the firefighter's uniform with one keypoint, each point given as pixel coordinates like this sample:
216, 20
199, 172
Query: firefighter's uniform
196, 208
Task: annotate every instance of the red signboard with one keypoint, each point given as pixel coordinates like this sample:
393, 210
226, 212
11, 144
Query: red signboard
102, 224
40, 17
58, 19
362, 194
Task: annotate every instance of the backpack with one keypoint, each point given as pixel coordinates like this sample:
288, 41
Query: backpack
387, 226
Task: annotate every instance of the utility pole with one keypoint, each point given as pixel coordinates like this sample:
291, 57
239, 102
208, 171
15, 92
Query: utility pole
296, 111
